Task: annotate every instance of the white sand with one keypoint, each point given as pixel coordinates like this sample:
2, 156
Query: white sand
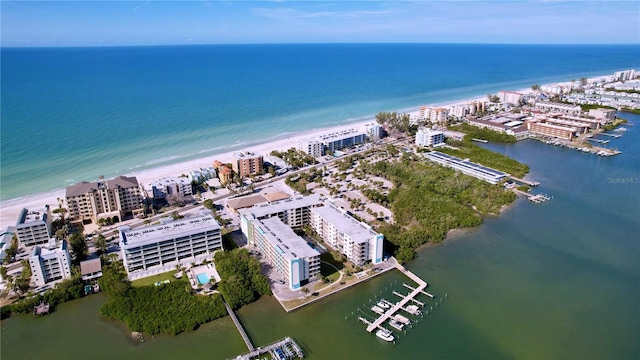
10, 209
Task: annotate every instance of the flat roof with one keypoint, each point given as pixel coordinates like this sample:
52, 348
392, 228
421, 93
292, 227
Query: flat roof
266, 209
501, 120
356, 230
90, 266
284, 239
30, 216
513, 123
174, 229
466, 163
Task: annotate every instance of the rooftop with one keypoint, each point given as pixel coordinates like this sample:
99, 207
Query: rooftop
154, 233
50, 251
466, 163
245, 155
283, 239
31, 216
90, 266
259, 211
358, 232
84, 187
245, 201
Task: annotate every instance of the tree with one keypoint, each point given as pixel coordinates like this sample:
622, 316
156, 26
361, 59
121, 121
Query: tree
12, 250
62, 233
583, 81
208, 203
535, 87
176, 200
493, 98
78, 246
305, 291
101, 244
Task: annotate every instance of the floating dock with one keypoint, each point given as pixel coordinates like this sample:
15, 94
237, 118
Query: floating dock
404, 300
286, 348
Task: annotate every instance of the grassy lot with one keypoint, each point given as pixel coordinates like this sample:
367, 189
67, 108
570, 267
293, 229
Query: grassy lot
329, 272
152, 279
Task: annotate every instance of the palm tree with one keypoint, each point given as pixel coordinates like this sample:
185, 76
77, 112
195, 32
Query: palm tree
305, 291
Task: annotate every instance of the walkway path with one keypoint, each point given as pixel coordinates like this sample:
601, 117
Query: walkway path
239, 326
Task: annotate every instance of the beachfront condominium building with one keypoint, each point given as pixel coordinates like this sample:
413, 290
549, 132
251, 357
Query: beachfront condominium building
246, 164
465, 166
50, 263
373, 130
355, 239
202, 175
311, 147
89, 201
166, 186
573, 110
510, 97
435, 115
342, 139
293, 259
34, 227
428, 137
155, 249
624, 75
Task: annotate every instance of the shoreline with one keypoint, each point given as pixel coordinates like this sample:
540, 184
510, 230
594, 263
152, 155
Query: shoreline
10, 208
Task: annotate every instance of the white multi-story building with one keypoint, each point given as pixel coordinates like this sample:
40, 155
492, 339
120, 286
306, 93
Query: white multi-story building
434, 115
158, 248
202, 175
34, 227
311, 147
289, 254
624, 75
160, 189
428, 137
93, 200
293, 212
566, 109
342, 139
50, 263
509, 97
372, 130
355, 239
481, 172
603, 114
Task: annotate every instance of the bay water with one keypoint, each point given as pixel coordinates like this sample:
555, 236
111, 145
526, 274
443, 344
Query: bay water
558, 280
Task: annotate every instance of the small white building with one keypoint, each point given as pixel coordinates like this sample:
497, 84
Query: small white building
159, 189
372, 130
510, 97
428, 137
50, 263
311, 147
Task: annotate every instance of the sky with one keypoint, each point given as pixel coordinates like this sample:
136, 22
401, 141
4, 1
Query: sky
118, 23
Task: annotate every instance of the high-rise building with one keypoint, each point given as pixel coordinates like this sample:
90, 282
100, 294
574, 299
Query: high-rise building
119, 197
34, 227
246, 164
161, 188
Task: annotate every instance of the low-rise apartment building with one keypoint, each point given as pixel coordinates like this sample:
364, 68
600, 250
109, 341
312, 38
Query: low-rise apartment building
428, 137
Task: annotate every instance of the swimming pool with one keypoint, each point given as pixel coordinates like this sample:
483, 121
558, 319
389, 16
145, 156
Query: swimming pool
203, 278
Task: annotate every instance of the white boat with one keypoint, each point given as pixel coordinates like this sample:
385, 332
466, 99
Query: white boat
395, 324
382, 304
377, 310
413, 310
384, 334
401, 319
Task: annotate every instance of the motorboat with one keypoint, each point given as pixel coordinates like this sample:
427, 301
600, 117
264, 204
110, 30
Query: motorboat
377, 310
382, 304
396, 325
384, 334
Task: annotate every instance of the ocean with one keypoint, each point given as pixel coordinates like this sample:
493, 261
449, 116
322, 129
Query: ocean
73, 114
558, 280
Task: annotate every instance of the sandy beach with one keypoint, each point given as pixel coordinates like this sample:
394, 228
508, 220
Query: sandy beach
10, 209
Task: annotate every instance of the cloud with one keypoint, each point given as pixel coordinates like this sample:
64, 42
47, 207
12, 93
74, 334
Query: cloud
290, 13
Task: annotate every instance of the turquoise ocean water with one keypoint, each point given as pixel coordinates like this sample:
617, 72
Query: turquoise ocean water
73, 114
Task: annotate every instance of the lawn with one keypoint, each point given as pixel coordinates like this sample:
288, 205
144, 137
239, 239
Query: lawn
153, 279
329, 272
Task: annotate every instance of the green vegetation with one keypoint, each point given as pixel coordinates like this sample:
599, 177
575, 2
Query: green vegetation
294, 157
66, 290
493, 98
169, 308
395, 121
428, 200
299, 182
587, 107
623, 91
474, 132
78, 246
475, 153
155, 278
617, 122
629, 110
242, 281
12, 250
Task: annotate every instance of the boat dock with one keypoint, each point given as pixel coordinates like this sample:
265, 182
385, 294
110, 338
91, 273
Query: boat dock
599, 141
403, 301
527, 182
239, 326
424, 292
612, 135
286, 348
533, 198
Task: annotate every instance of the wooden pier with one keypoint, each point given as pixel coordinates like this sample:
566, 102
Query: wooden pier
424, 292
403, 301
239, 326
612, 135
527, 182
